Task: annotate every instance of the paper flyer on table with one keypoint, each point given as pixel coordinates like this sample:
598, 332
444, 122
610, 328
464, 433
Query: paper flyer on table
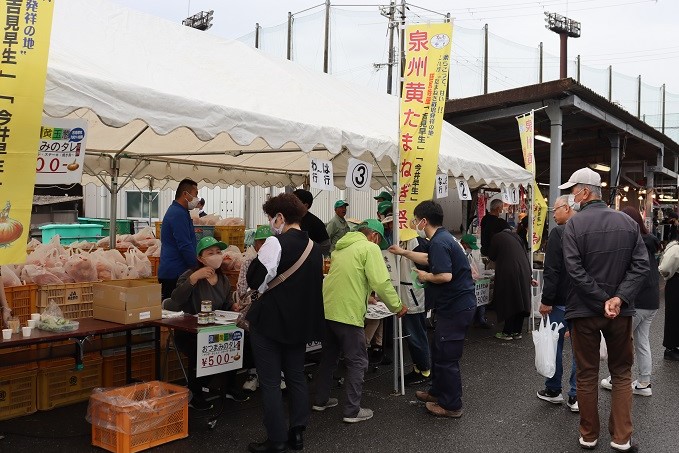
377, 311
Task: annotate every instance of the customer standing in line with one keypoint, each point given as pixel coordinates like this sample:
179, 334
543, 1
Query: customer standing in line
669, 265
288, 314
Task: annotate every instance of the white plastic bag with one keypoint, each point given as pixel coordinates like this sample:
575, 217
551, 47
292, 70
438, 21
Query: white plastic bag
546, 339
603, 350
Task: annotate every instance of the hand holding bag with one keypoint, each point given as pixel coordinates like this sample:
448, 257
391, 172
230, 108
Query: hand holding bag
546, 339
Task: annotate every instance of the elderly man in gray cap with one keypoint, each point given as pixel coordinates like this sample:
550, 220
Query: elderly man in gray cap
607, 262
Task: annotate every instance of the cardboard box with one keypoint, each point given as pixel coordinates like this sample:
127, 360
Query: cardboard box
128, 316
127, 301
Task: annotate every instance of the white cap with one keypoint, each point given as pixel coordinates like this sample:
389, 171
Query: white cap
582, 176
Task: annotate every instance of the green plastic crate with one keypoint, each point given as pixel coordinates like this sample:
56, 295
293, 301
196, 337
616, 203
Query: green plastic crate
123, 226
71, 233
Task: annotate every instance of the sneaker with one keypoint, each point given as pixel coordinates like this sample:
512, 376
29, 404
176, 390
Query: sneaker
551, 396
198, 403
251, 383
517, 336
503, 336
606, 383
588, 445
237, 395
573, 404
332, 402
628, 447
641, 391
415, 378
363, 414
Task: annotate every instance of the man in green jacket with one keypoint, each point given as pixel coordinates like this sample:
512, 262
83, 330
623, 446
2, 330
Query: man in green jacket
338, 226
356, 269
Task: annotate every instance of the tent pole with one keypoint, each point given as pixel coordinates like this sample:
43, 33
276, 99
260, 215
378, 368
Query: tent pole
530, 200
115, 169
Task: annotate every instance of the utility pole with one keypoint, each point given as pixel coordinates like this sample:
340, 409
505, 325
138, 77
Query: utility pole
565, 28
289, 46
389, 13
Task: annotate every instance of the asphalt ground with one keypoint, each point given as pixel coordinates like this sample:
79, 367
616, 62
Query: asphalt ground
501, 413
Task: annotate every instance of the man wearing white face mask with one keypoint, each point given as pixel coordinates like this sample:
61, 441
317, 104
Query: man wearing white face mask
177, 237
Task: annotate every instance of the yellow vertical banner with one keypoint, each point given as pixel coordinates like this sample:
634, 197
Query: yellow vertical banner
527, 134
539, 217
423, 101
26, 26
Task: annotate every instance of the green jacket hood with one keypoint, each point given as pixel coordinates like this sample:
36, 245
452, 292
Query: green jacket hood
350, 238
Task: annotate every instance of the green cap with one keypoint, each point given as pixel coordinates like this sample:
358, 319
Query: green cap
340, 203
375, 225
263, 232
470, 240
384, 206
384, 194
207, 242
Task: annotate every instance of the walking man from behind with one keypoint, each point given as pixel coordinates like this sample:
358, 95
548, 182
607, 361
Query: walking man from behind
554, 290
607, 262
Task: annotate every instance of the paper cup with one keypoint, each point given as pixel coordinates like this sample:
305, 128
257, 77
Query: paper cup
26, 331
31, 323
6, 334
35, 316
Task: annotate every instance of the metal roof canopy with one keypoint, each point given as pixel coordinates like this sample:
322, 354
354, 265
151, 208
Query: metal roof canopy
592, 127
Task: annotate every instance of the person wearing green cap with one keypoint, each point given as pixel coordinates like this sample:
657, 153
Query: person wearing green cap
338, 226
204, 282
356, 268
383, 196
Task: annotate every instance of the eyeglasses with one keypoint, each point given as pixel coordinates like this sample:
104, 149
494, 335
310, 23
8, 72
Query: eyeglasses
554, 209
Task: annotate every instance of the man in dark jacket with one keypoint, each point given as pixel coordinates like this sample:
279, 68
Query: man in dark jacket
554, 290
312, 224
607, 263
491, 224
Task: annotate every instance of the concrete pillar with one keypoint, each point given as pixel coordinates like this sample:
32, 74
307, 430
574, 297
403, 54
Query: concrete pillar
648, 217
556, 135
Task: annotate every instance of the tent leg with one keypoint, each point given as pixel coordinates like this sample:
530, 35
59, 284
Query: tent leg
114, 202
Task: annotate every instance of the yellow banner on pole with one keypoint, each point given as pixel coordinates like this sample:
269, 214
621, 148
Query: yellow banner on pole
539, 217
527, 133
423, 101
27, 26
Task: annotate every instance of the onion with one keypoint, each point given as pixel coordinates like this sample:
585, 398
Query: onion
73, 166
10, 229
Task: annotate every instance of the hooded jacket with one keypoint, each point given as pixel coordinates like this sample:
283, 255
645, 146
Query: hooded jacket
356, 268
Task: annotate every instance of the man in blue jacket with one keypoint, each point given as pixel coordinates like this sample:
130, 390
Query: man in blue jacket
177, 237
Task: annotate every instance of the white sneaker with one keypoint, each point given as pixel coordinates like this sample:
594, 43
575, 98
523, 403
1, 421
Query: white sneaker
641, 391
251, 383
588, 445
622, 447
332, 402
363, 414
606, 383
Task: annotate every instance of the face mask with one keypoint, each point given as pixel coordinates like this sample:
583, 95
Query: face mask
421, 232
193, 204
572, 203
213, 261
274, 229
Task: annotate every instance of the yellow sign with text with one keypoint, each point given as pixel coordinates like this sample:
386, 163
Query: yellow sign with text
527, 132
539, 217
423, 101
27, 25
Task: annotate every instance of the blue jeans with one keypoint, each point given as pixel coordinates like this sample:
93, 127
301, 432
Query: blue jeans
415, 328
554, 383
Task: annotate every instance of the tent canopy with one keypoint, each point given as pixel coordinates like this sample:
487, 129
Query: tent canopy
172, 102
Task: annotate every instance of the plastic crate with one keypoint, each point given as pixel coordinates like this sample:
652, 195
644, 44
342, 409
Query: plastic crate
130, 427
114, 366
74, 299
200, 230
155, 261
22, 300
71, 233
18, 390
123, 226
231, 235
60, 384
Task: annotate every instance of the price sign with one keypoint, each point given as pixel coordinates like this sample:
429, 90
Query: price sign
359, 174
482, 289
320, 174
463, 189
61, 152
220, 349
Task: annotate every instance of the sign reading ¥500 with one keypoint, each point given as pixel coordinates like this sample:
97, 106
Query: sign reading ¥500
220, 348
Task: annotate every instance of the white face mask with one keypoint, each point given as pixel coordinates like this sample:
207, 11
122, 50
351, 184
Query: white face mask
213, 261
572, 203
421, 232
274, 229
193, 204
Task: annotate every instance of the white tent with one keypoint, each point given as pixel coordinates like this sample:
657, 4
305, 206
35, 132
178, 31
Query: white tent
166, 101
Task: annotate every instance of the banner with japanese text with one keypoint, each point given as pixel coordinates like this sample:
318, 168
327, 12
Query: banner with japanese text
527, 132
539, 217
423, 101
27, 25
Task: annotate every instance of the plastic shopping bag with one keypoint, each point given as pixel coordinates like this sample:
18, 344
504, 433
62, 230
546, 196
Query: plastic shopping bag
603, 350
546, 339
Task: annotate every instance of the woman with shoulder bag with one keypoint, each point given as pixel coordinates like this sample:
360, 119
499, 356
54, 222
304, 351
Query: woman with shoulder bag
288, 314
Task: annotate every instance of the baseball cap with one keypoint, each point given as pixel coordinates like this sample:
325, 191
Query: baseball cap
384, 194
470, 240
207, 242
375, 225
263, 232
340, 203
384, 206
582, 176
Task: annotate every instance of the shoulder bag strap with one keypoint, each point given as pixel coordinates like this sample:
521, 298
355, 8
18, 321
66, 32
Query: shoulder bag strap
282, 277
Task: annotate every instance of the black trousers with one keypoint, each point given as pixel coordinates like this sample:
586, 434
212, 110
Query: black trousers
167, 285
671, 337
513, 324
